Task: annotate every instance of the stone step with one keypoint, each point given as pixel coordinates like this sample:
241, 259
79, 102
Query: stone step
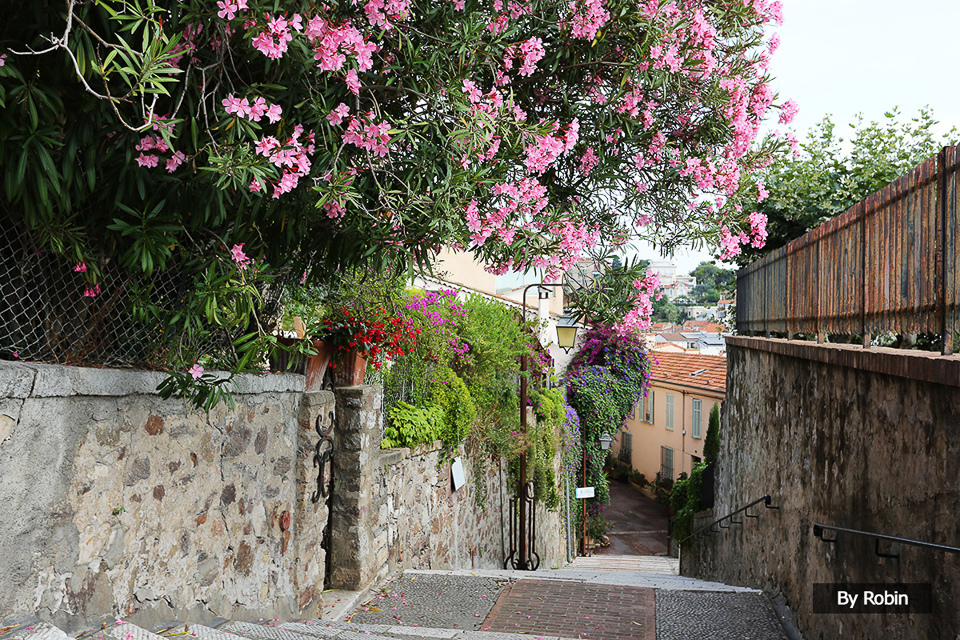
352, 630
34, 630
264, 632
124, 631
205, 633
640, 564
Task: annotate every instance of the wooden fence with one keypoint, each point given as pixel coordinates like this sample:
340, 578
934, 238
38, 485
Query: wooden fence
888, 264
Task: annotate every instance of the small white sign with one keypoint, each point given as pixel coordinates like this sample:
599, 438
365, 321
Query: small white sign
456, 472
585, 492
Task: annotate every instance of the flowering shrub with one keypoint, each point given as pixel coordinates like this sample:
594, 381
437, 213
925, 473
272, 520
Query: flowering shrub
321, 136
375, 339
606, 377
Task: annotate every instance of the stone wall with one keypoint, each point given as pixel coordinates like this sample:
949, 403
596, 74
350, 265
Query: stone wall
121, 503
400, 511
837, 437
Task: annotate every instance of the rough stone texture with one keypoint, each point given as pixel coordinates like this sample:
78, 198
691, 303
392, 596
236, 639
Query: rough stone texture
120, 503
396, 509
852, 448
432, 600
746, 616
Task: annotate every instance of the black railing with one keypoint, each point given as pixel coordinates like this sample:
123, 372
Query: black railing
766, 500
818, 530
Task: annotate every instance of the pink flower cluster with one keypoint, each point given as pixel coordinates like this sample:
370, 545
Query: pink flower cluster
292, 157
588, 161
380, 13
158, 146
3, 59
788, 112
272, 41
333, 42
730, 243
229, 8
369, 135
638, 318
253, 111
238, 256
545, 150
529, 52
588, 17
443, 310
91, 292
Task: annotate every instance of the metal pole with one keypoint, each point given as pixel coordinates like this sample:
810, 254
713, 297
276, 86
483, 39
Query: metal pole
566, 486
583, 540
524, 560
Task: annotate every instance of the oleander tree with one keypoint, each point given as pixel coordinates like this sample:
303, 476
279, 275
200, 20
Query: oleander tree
321, 136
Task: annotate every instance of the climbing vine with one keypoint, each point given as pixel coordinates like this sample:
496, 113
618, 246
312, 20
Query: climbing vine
605, 378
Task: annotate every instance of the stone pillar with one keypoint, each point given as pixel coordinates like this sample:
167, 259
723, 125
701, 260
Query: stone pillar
310, 518
355, 560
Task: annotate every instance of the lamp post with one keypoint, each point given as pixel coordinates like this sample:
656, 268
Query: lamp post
605, 440
566, 338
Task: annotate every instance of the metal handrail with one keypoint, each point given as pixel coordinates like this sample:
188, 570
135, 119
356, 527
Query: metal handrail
766, 500
818, 530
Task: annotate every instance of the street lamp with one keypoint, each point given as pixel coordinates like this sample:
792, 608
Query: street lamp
566, 333
605, 441
566, 338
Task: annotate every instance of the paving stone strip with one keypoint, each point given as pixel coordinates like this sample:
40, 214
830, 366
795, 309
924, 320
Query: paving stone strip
575, 610
431, 600
683, 615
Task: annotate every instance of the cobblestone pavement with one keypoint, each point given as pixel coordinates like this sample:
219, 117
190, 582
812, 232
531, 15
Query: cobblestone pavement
432, 600
575, 610
686, 615
594, 604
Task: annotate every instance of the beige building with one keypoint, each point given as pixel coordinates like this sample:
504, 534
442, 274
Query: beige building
666, 431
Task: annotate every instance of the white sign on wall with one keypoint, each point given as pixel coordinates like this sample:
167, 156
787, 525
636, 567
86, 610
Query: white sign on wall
456, 472
586, 492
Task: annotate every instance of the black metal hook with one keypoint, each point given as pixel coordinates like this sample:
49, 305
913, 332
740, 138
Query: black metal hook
322, 455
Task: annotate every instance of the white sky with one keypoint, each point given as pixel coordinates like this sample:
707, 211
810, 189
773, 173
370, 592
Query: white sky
843, 57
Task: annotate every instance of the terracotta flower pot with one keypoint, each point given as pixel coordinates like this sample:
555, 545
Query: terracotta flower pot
313, 367
350, 370
317, 365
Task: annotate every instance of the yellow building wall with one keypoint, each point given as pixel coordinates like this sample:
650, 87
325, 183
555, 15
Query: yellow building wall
460, 267
647, 438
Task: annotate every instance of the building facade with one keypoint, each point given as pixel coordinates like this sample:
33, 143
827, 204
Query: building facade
667, 428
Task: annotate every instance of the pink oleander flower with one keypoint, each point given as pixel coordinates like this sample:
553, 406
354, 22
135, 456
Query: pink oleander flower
238, 256
175, 161
81, 267
788, 112
3, 59
145, 160
353, 82
338, 114
195, 371
273, 113
91, 292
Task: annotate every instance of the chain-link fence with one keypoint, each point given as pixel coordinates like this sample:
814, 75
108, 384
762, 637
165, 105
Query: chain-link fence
49, 313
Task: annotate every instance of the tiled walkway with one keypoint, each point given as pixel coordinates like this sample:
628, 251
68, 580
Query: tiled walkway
575, 610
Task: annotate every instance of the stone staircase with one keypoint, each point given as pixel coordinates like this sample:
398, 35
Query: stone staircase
589, 600
302, 630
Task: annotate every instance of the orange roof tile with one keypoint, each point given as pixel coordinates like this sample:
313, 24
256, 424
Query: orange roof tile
690, 369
